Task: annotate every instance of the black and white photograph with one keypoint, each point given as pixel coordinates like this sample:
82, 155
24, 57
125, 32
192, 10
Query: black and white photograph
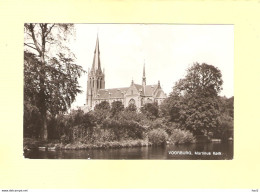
128, 91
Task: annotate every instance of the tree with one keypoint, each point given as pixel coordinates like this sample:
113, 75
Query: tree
104, 105
199, 114
131, 107
151, 110
170, 107
51, 76
194, 102
227, 106
226, 119
202, 79
116, 107
101, 112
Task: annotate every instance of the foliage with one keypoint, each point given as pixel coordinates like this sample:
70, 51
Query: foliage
227, 106
31, 120
101, 112
200, 114
157, 137
201, 79
171, 106
130, 115
116, 108
68, 128
193, 108
131, 107
104, 105
124, 129
50, 74
151, 110
194, 104
226, 127
193, 112
179, 136
103, 135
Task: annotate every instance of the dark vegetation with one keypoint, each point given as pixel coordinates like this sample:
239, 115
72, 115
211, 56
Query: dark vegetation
184, 116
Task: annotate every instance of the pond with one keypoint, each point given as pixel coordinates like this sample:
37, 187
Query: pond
204, 151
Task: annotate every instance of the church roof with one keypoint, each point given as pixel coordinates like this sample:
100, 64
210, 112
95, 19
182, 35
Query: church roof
138, 87
111, 93
119, 92
160, 94
149, 89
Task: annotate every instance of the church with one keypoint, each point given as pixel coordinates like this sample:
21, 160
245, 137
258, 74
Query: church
137, 94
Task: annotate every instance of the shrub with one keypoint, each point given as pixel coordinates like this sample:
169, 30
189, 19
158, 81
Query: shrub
106, 135
179, 136
124, 129
157, 136
65, 139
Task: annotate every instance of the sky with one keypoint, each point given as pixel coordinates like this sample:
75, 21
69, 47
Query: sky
166, 50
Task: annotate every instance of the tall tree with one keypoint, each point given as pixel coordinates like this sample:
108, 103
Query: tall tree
194, 102
51, 76
201, 79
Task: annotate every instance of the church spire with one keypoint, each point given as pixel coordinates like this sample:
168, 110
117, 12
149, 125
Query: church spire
96, 61
144, 70
96, 78
144, 78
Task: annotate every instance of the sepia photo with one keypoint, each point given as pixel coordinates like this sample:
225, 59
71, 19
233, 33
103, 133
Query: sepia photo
128, 91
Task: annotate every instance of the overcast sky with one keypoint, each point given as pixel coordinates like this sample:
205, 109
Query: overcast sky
166, 50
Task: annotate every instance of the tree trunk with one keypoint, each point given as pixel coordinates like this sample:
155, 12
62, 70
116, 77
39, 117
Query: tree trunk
44, 132
43, 110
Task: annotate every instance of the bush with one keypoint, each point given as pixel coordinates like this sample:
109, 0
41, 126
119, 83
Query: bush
179, 136
65, 139
124, 129
157, 136
104, 135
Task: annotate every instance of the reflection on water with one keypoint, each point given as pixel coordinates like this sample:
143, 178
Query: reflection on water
192, 151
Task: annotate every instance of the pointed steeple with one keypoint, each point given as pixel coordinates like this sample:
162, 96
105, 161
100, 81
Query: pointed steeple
144, 70
96, 61
96, 78
144, 78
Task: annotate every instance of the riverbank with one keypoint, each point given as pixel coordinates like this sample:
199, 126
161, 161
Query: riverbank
30, 143
222, 151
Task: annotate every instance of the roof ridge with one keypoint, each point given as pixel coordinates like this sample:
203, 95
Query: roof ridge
115, 88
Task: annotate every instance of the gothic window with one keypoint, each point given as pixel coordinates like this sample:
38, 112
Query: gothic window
132, 101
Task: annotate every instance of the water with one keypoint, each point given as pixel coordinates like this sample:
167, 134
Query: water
209, 151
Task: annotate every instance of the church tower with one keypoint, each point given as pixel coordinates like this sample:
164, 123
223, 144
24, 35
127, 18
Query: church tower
96, 78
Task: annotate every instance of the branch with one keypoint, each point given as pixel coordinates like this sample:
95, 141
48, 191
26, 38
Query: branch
49, 42
29, 34
30, 46
49, 30
34, 39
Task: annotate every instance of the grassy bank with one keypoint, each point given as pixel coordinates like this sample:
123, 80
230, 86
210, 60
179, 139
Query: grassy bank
56, 145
